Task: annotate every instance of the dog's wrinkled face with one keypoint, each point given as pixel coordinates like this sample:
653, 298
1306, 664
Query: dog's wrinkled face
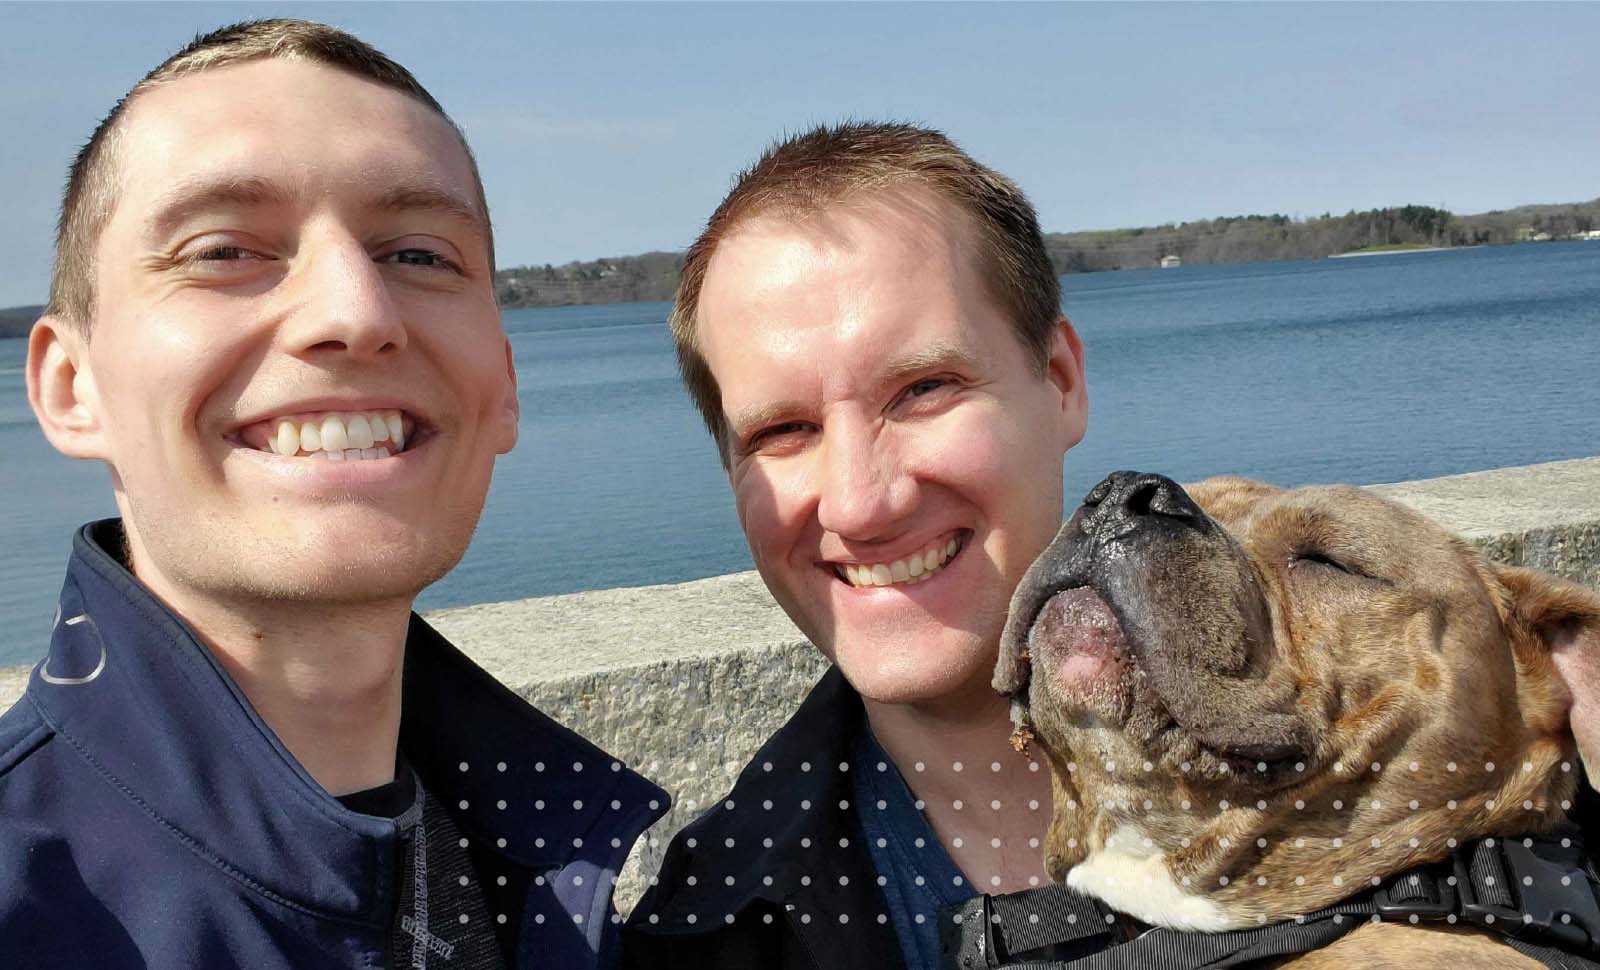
1255, 700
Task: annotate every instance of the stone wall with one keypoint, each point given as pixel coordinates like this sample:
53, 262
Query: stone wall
685, 681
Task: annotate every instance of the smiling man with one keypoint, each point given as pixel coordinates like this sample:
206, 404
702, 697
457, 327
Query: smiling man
872, 330
272, 319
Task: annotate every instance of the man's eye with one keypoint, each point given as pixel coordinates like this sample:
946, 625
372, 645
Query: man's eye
421, 257
223, 261
925, 388
779, 430
774, 435
220, 254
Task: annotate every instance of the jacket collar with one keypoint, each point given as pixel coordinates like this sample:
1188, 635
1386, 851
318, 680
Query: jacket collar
131, 688
777, 834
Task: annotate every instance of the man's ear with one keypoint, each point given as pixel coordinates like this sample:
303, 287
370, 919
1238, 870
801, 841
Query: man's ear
61, 389
1565, 618
1064, 368
512, 413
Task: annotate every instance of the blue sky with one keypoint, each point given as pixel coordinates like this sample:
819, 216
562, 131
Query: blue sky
605, 129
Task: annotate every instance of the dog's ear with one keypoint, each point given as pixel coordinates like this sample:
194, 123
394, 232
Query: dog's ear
1564, 618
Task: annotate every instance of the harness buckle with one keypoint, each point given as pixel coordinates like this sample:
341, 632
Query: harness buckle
966, 937
1552, 891
1390, 908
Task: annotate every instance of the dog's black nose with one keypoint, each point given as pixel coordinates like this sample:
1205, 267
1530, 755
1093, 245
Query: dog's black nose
1124, 498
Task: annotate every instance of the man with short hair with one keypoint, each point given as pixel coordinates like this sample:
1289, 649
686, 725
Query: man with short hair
871, 327
272, 318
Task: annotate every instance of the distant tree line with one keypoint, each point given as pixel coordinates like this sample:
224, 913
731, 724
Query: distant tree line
623, 279
18, 320
1239, 239
1230, 239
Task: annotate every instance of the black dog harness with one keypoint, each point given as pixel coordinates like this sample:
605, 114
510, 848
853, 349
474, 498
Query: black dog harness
1541, 896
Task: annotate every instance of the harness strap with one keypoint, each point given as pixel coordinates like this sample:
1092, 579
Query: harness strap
1540, 895
1051, 924
1541, 891
1169, 949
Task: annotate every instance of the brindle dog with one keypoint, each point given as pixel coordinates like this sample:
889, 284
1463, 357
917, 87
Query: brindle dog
1255, 700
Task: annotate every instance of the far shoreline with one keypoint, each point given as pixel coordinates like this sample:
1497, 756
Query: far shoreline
1397, 251
16, 322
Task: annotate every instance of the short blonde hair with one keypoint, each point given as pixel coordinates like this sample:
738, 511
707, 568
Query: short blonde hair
809, 172
91, 194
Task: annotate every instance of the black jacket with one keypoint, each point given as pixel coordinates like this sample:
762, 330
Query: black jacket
778, 876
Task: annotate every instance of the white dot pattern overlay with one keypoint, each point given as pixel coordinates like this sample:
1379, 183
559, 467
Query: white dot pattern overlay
1311, 843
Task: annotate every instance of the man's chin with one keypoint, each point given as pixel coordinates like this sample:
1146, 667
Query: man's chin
350, 561
919, 676
368, 568
369, 582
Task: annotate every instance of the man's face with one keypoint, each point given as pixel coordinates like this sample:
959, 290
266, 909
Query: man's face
895, 455
291, 245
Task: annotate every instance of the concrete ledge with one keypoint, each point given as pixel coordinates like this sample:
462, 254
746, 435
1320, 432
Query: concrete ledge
684, 682
1540, 516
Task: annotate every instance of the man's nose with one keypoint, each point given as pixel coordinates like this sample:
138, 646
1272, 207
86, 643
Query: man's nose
342, 303
865, 490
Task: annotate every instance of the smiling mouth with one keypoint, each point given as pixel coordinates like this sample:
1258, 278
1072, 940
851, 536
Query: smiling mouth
919, 567
333, 435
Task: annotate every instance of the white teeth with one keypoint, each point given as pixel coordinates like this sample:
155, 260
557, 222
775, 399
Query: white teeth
334, 436
287, 441
360, 431
347, 436
919, 567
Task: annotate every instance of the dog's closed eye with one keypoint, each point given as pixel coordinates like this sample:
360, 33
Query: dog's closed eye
1321, 562
1312, 557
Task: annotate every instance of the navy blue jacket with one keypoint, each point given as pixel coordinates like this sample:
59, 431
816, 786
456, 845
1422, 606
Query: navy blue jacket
777, 875
149, 818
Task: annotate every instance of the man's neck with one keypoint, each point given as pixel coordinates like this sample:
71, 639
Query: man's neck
326, 678
989, 805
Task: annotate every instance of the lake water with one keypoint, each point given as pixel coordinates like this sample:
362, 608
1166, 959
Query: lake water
1377, 369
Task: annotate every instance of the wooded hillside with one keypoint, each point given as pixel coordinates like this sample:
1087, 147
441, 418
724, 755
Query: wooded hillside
1230, 239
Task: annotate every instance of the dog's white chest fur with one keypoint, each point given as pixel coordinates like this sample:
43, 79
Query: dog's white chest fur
1132, 877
